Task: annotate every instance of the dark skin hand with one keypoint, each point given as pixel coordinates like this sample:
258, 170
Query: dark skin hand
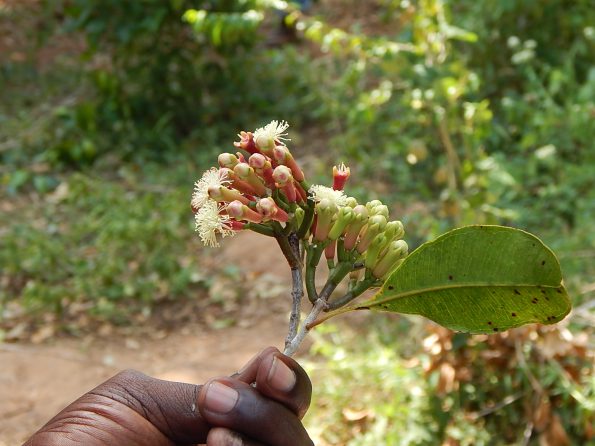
261, 405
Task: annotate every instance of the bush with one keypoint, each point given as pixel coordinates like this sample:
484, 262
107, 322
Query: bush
113, 246
404, 383
161, 75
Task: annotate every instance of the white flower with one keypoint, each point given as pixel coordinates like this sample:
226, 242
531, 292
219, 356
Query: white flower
266, 136
212, 177
210, 222
319, 193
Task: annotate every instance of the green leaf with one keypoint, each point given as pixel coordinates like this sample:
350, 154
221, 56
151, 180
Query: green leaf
478, 279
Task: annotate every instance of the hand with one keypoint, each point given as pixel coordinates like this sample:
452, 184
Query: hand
260, 405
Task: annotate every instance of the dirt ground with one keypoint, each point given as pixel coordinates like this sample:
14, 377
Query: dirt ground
37, 380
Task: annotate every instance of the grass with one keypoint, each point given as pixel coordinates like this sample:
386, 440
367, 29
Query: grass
119, 241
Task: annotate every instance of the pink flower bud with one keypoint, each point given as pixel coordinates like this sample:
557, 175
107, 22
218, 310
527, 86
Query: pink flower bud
257, 161
235, 209
247, 173
262, 166
282, 175
225, 194
340, 176
246, 142
238, 184
227, 160
290, 192
283, 156
239, 211
280, 154
269, 209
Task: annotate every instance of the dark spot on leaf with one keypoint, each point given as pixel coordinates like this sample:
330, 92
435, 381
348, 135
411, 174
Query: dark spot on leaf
542, 291
489, 322
513, 314
542, 262
534, 300
363, 308
496, 329
559, 291
449, 277
547, 298
532, 244
517, 292
391, 287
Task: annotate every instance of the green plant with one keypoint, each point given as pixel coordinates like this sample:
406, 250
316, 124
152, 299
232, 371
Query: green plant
159, 74
420, 384
108, 247
479, 279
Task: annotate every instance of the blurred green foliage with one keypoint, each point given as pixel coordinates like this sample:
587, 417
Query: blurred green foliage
120, 245
410, 385
456, 111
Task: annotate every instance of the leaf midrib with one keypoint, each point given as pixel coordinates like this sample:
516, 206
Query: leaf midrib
449, 287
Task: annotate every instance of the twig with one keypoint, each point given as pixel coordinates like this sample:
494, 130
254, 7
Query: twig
352, 294
297, 290
320, 305
454, 163
528, 432
318, 308
496, 407
525, 368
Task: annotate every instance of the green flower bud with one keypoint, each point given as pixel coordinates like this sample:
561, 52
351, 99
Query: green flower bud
372, 204
351, 202
299, 216
394, 230
376, 224
396, 250
354, 228
376, 246
325, 210
344, 217
380, 210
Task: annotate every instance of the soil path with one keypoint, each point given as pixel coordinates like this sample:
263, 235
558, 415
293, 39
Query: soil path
36, 381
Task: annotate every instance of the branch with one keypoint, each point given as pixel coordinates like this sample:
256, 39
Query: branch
297, 292
318, 308
320, 305
349, 296
297, 289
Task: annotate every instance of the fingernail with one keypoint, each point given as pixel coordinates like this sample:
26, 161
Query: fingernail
280, 376
220, 398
